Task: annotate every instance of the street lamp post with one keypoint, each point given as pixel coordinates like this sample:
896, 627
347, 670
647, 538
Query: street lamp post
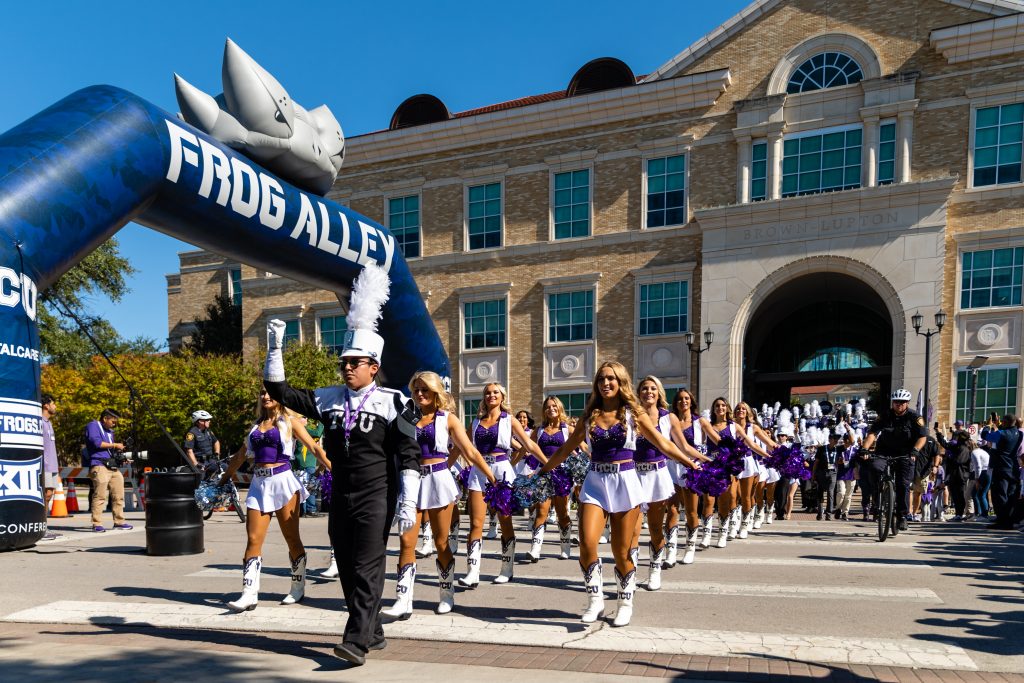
690, 338
973, 386
917, 320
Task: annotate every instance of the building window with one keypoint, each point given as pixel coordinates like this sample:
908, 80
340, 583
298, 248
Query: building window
997, 144
404, 223
991, 278
759, 172
236, 286
836, 358
996, 392
825, 70
886, 153
572, 204
574, 403
484, 324
571, 316
666, 191
485, 216
663, 308
291, 332
332, 333
469, 408
821, 163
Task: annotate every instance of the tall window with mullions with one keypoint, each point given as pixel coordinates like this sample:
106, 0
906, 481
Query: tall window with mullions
998, 144
666, 191
484, 324
404, 222
821, 163
991, 277
484, 216
571, 316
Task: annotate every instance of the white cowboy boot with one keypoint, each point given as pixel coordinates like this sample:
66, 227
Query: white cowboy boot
538, 542
634, 557
446, 584
565, 541
671, 546
605, 533
492, 529
708, 528
426, 548
770, 514
735, 521
691, 545
332, 569
402, 609
298, 590
627, 586
723, 531
657, 557
250, 585
758, 517
593, 581
472, 577
746, 524
508, 560
453, 538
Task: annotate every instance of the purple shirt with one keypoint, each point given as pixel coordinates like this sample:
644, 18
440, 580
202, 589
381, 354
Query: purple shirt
608, 445
550, 443
49, 448
95, 434
267, 446
426, 437
486, 438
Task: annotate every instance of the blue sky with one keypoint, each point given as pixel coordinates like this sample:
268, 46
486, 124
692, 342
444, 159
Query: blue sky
361, 59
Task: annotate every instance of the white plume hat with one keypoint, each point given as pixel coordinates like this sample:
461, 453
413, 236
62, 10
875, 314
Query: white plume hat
370, 292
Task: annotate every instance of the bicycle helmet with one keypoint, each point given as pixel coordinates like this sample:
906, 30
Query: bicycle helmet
900, 395
201, 415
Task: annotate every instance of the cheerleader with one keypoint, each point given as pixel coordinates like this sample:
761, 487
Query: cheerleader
274, 490
612, 419
745, 425
687, 433
436, 428
721, 425
655, 475
492, 434
553, 432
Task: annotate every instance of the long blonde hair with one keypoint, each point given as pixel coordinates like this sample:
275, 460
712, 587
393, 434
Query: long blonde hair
751, 415
662, 399
562, 417
481, 411
432, 381
627, 399
280, 416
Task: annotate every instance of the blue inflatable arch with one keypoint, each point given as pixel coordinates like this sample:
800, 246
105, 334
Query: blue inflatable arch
75, 173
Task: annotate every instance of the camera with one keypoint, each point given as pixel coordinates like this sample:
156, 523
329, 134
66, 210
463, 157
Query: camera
118, 458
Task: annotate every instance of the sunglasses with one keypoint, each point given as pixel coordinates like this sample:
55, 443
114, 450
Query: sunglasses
353, 362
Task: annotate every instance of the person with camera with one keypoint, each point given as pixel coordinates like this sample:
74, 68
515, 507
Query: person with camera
103, 456
900, 435
201, 445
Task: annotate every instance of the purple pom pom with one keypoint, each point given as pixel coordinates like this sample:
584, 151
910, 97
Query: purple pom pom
561, 480
499, 496
712, 479
463, 478
326, 484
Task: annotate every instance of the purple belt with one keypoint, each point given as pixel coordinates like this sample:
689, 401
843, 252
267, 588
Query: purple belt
270, 470
650, 466
427, 470
611, 467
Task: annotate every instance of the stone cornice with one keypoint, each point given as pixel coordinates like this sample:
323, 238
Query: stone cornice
988, 38
646, 99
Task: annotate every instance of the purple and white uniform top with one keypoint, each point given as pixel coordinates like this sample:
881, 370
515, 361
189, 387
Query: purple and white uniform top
273, 484
652, 465
437, 483
612, 482
495, 445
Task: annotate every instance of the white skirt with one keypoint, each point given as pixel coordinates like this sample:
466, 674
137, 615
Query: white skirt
269, 494
773, 475
613, 491
523, 467
749, 467
762, 472
437, 490
680, 474
501, 470
656, 484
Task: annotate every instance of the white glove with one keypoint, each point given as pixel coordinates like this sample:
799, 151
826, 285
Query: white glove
273, 368
407, 501
275, 334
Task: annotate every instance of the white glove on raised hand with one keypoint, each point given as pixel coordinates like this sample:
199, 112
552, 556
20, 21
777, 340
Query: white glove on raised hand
275, 334
273, 368
407, 501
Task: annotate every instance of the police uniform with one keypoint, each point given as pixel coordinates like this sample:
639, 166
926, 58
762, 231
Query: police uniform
201, 443
895, 436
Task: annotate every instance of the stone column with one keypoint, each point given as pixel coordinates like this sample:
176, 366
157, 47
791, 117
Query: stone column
775, 164
869, 173
743, 169
904, 138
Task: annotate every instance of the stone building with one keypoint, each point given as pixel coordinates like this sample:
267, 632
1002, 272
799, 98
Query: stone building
799, 182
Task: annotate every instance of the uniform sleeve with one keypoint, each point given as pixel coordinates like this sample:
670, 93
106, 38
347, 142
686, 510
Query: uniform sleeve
918, 430
190, 440
403, 434
302, 401
877, 426
94, 436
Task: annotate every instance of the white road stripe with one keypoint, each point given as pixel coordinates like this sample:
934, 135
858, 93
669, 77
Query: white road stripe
566, 634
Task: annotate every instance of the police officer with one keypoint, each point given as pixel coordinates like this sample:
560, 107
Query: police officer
899, 432
201, 444
370, 438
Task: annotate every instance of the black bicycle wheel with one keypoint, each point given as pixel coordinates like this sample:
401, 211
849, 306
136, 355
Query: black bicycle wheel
894, 523
237, 502
885, 500
208, 514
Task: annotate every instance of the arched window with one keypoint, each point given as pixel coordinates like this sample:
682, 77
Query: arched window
825, 70
836, 358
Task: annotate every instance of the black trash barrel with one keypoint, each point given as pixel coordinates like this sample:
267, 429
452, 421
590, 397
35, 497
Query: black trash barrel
174, 523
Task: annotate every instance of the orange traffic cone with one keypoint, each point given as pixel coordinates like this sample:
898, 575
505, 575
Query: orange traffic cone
72, 497
60, 506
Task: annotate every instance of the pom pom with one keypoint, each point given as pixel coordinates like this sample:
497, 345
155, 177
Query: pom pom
209, 495
500, 496
326, 483
530, 490
561, 481
577, 465
463, 478
369, 294
711, 479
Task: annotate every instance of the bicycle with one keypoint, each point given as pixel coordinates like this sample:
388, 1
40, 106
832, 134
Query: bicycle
210, 496
886, 498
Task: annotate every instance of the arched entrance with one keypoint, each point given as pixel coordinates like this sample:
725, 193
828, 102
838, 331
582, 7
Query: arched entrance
828, 330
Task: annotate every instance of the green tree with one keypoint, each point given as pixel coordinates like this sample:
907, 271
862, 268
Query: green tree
220, 332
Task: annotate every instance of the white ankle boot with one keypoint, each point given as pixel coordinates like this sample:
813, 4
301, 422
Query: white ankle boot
298, 589
759, 517
537, 543
735, 521
627, 586
708, 527
426, 548
671, 546
654, 578
508, 560
770, 515
565, 542
746, 524
453, 539
691, 545
402, 609
446, 584
472, 577
332, 569
593, 581
723, 532
250, 585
